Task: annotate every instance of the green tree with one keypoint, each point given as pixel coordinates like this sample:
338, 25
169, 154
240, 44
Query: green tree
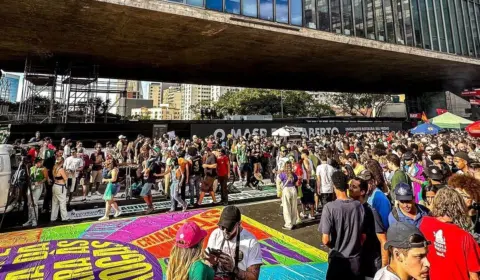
358, 103
269, 102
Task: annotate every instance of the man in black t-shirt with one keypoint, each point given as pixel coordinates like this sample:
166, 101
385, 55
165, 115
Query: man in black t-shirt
196, 172
210, 169
149, 179
373, 256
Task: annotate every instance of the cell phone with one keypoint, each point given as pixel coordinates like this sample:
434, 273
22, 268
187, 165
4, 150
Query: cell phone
215, 252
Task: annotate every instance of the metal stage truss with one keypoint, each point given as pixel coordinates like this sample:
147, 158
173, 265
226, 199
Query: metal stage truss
64, 95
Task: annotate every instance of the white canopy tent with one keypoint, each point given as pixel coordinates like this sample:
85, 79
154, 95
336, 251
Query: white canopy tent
288, 131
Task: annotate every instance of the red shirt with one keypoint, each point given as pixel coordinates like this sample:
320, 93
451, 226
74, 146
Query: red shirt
223, 165
33, 153
453, 252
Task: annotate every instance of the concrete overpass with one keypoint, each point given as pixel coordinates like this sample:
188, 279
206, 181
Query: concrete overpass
158, 40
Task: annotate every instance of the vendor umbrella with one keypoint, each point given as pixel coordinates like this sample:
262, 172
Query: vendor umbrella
473, 129
426, 128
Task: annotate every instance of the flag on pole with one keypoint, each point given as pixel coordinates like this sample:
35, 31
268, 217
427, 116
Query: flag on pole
424, 118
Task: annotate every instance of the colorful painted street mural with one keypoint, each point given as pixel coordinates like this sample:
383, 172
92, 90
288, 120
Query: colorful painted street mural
138, 248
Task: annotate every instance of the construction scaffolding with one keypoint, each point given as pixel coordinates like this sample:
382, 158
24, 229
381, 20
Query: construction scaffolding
73, 94
4, 87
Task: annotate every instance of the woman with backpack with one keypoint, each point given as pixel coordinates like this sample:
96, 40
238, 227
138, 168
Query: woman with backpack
110, 177
177, 177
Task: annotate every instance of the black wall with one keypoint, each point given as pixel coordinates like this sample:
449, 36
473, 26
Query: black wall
91, 133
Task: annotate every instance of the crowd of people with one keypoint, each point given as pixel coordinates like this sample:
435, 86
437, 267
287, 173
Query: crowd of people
391, 205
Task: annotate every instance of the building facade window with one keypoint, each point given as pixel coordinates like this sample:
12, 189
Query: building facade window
266, 9
281, 11
232, 6
449, 26
249, 8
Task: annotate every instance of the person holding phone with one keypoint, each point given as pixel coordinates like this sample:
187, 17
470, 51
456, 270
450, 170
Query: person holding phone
240, 256
187, 256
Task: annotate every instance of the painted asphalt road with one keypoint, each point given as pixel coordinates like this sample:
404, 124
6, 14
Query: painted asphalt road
267, 213
140, 246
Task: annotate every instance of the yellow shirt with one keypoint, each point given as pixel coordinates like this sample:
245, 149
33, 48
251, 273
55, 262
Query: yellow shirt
358, 169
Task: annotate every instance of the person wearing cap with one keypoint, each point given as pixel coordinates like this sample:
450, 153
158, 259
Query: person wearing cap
406, 211
38, 177
408, 254
353, 160
399, 176
373, 256
454, 253
241, 254
415, 172
462, 161
343, 231
187, 257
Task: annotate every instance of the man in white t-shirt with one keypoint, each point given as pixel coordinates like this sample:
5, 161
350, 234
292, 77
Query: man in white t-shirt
225, 238
324, 189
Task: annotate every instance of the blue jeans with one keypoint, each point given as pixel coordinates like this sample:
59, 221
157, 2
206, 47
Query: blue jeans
175, 196
194, 187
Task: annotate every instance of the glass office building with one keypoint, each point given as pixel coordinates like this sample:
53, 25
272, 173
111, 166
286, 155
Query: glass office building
450, 26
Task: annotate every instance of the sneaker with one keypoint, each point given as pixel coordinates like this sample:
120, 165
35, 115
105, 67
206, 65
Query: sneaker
310, 217
34, 224
104, 218
302, 215
286, 228
184, 208
149, 211
97, 193
118, 213
89, 194
84, 199
29, 223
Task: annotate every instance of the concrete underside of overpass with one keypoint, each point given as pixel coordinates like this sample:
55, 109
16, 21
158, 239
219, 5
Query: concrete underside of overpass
161, 41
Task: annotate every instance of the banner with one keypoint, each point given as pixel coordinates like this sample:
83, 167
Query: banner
139, 248
309, 129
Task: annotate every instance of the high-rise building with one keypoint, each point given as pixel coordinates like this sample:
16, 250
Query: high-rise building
9, 87
156, 92
134, 90
193, 95
218, 91
162, 112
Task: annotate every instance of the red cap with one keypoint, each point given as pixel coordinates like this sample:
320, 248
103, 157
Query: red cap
189, 235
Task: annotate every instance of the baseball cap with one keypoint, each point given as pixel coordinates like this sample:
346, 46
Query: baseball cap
230, 216
403, 191
405, 236
189, 235
435, 173
408, 156
122, 137
463, 156
365, 175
